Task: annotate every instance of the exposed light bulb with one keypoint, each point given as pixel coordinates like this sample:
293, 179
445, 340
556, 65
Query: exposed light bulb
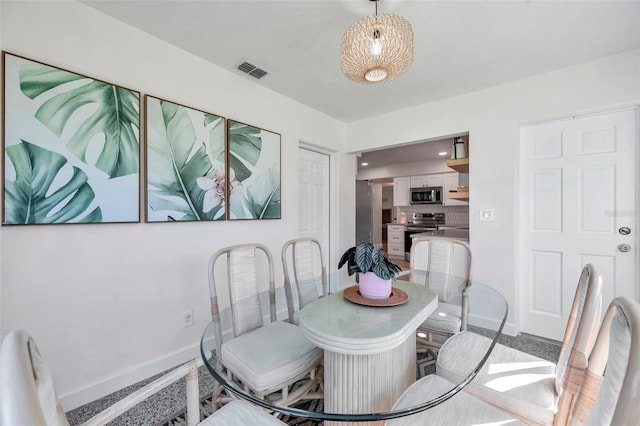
364, 164
443, 153
376, 43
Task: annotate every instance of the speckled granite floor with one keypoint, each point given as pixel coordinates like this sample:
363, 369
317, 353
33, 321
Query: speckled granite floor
167, 407
157, 410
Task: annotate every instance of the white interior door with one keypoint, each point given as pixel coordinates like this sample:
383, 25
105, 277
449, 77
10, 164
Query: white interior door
578, 194
314, 198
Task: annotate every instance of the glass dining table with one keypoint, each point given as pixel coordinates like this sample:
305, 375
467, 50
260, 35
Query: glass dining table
370, 355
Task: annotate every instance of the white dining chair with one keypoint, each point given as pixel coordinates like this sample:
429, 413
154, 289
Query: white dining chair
444, 265
608, 392
530, 388
304, 273
611, 388
28, 396
256, 351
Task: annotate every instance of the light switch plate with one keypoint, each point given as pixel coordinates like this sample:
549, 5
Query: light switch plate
486, 215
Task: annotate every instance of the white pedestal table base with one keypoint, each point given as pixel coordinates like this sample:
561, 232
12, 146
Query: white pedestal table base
368, 383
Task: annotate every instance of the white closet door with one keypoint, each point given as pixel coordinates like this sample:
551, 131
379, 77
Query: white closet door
314, 197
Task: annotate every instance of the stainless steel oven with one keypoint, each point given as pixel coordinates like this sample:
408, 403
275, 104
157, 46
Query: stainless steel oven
421, 222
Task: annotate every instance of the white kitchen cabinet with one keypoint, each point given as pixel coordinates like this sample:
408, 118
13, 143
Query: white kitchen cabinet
417, 181
426, 180
395, 241
450, 182
401, 194
433, 180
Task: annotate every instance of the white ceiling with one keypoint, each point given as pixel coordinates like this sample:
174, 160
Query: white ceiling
460, 46
407, 153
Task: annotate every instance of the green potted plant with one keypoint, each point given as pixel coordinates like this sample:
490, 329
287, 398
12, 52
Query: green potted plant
375, 269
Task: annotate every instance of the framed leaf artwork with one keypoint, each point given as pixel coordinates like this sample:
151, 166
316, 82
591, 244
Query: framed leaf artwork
71, 147
254, 172
186, 163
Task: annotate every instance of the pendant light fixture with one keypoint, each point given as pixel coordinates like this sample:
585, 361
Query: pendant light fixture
377, 48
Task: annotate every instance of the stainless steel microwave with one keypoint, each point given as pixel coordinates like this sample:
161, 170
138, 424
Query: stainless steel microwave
426, 195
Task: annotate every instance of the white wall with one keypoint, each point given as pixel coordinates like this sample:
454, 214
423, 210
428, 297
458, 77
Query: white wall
105, 302
493, 117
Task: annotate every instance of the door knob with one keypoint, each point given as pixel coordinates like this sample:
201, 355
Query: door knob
624, 248
624, 230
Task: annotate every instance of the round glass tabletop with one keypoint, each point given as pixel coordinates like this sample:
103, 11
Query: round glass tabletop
354, 335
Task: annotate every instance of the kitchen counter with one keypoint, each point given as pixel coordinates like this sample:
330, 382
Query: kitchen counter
456, 233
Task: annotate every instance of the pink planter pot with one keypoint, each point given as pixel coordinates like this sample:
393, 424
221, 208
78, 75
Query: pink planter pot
374, 287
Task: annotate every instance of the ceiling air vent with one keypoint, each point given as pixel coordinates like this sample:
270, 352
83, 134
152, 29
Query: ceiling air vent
252, 70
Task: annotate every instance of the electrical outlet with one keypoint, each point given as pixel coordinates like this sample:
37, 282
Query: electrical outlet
486, 215
187, 318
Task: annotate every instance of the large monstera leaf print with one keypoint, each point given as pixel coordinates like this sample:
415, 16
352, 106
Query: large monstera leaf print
71, 147
116, 115
179, 164
245, 145
254, 160
263, 196
34, 196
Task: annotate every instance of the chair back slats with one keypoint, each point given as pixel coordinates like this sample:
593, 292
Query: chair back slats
449, 259
243, 290
582, 327
244, 284
578, 341
305, 271
619, 343
587, 397
609, 394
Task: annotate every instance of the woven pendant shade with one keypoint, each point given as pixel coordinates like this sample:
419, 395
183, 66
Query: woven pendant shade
377, 48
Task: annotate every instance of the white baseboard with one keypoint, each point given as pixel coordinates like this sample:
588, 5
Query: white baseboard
96, 390
490, 324
510, 329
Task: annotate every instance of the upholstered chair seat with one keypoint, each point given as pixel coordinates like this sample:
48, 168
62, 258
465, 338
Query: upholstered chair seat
514, 380
267, 358
446, 318
241, 413
461, 409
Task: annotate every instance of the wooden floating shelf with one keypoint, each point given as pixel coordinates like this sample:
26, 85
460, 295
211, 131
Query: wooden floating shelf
460, 165
462, 195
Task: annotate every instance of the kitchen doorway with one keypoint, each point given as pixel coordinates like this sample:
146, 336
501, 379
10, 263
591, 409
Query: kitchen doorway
393, 170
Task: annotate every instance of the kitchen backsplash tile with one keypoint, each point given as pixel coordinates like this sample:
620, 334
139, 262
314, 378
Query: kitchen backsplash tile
455, 215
